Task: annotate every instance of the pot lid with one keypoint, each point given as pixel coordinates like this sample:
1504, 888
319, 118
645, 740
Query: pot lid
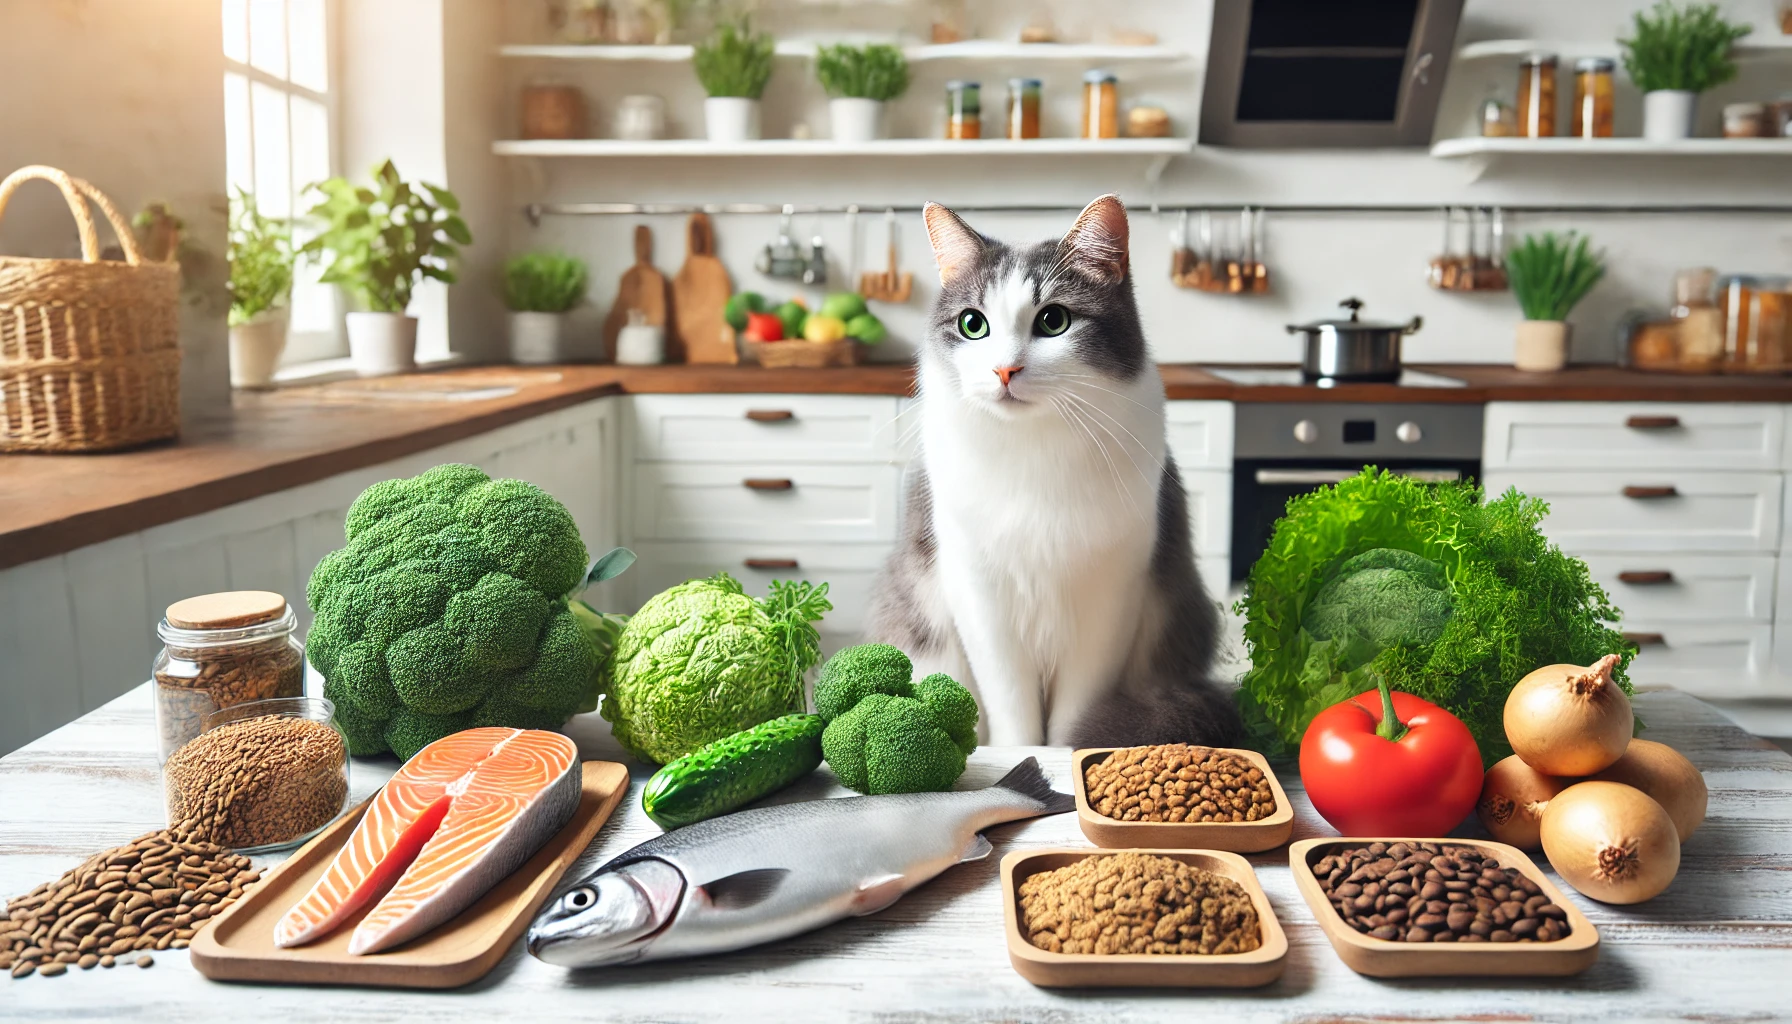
1353, 323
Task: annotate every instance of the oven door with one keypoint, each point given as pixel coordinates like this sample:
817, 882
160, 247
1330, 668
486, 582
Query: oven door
1262, 488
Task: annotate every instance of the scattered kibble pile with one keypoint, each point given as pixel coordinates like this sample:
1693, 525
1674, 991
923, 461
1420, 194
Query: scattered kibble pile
1178, 782
1137, 903
256, 782
1432, 892
155, 893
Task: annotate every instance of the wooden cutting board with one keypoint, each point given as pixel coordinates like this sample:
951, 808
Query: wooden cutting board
699, 293
239, 945
642, 287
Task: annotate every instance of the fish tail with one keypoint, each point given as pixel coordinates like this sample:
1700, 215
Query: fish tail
1028, 779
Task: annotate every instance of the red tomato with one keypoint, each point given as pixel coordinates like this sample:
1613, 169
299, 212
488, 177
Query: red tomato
1420, 784
765, 327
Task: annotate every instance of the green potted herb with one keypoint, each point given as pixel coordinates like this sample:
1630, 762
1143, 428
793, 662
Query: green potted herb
379, 243
1549, 274
539, 288
859, 81
1675, 54
733, 64
260, 254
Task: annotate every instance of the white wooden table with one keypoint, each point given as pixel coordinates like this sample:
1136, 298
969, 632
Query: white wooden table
1716, 946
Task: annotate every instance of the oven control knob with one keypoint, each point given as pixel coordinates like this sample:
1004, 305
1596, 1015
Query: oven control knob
1306, 431
1409, 432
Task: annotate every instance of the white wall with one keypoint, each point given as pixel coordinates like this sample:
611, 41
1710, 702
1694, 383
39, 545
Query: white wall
1316, 260
130, 96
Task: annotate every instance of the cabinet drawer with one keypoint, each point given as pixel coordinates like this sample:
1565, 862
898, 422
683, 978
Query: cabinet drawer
1647, 435
1209, 511
760, 501
849, 570
1200, 434
1703, 660
1654, 510
1688, 588
809, 428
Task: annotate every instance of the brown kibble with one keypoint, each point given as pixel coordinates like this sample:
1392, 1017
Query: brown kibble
253, 782
23, 967
1444, 910
88, 962
52, 969
1130, 785
146, 960
1148, 904
108, 960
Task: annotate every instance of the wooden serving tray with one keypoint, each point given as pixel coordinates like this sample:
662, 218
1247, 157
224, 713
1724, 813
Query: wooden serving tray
1142, 970
1381, 958
239, 945
1238, 836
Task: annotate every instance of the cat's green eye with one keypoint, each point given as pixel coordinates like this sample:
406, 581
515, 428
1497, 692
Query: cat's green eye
1052, 321
972, 324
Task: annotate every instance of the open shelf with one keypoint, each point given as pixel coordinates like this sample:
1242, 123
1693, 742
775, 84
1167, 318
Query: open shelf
1474, 146
829, 148
1756, 46
972, 49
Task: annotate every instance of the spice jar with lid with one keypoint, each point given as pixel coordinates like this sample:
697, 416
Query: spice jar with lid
1497, 119
1101, 105
220, 650
964, 110
261, 776
1023, 107
1593, 98
1745, 120
1537, 96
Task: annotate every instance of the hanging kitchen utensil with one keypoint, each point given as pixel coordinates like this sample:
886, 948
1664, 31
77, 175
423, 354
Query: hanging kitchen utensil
893, 285
642, 289
852, 243
1182, 258
699, 293
1259, 283
1205, 256
815, 265
1496, 280
782, 257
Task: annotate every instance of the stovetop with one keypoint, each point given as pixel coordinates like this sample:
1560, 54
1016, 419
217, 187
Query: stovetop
1291, 376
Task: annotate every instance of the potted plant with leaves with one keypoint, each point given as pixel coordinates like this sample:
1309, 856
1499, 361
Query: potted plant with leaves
260, 254
1549, 274
380, 243
859, 81
539, 288
1674, 54
733, 64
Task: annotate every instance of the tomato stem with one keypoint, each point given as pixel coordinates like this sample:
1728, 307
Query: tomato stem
1390, 727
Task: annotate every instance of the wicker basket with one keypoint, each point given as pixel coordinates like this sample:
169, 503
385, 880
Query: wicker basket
778, 355
89, 350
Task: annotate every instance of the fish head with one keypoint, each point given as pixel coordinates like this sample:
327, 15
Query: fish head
609, 918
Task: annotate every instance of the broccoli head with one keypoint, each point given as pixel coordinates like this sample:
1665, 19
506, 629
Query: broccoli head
894, 737
448, 608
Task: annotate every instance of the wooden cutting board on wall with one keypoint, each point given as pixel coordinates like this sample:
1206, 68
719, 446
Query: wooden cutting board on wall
699, 293
642, 287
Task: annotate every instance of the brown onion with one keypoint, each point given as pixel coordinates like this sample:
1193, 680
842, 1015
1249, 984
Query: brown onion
1612, 842
1513, 796
1566, 720
1667, 776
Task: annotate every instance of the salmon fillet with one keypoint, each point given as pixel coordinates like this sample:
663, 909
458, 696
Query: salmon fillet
459, 817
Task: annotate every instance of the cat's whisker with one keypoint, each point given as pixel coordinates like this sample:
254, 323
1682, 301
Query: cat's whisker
1099, 411
1098, 387
1144, 477
1071, 416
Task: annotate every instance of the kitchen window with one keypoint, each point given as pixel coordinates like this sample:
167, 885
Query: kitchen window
279, 133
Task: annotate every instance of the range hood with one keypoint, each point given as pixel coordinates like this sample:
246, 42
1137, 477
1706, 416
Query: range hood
1326, 73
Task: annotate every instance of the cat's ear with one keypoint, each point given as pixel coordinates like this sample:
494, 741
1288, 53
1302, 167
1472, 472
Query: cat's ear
1097, 241
955, 246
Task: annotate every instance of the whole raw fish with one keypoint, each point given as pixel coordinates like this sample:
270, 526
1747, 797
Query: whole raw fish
772, 872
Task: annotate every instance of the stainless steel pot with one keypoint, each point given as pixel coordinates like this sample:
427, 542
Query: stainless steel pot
1353, 349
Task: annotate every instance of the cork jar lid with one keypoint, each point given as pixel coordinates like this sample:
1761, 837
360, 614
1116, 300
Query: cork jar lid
228, 610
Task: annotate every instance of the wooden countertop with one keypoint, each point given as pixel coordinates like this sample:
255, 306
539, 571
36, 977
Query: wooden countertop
1712, 947
52, 504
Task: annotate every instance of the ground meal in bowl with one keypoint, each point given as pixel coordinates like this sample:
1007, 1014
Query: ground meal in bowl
1137, 903
1178, 782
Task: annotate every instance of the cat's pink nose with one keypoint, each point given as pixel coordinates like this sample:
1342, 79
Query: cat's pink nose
1007, 372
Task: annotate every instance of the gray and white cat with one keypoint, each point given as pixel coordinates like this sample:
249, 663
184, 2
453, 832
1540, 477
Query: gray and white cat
1046, 560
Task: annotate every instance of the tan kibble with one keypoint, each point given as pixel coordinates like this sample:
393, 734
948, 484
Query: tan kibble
197, 681
1177, 782
1137, 903
256, 782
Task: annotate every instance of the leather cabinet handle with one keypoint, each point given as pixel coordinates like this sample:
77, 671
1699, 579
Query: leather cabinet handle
770, 563
1646, 577
762, 484
1652, 422
1668, 491
770, 415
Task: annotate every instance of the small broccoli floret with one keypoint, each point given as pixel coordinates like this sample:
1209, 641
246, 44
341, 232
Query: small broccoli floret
366, 735
430, 673
952, 706
531, 535
408, 731
361, 678
502, 708
561, 672
897, 743
857, 672
499, 620
382, 500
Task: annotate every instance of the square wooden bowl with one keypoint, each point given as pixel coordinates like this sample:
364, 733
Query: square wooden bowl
1237, 836
1141, 970
1382, 958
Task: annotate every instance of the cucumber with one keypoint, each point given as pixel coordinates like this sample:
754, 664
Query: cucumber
733, 771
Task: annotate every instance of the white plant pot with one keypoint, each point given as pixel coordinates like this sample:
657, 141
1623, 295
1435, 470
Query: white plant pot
255, 349
1668, 114
856, 120
538, 338
640, 344
1542, 346
381, 344
731, 118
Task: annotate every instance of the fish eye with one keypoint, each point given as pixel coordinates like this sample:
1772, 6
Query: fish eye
1052, 321
972, 325
582, 898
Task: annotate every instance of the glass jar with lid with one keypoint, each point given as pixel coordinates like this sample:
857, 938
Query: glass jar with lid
1537, 96
220, 650
1023, 107
1101, 105
964, 109
1593, 98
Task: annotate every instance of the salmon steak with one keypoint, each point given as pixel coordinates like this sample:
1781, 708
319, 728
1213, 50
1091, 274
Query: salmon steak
458, 818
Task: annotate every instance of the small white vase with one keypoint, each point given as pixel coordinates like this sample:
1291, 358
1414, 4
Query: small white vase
640, 343
1668, 114
381, 344
1542, 346
731, 118
856, 120
538, 338
255, 349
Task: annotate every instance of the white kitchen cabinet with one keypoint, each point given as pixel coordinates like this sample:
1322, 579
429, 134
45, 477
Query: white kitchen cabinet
761, 428
765, 501
1200, 435
1726, 660
1640, 435
1688, 588
1653, 509
1209, 511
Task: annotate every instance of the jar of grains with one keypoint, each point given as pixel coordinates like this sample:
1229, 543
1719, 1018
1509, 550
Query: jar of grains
1593, 98
1023, 108
1537, 96
1101, 105
261, 776
220, 650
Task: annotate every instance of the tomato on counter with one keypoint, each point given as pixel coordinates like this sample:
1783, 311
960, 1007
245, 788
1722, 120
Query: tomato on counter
764, 327
1390, 764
